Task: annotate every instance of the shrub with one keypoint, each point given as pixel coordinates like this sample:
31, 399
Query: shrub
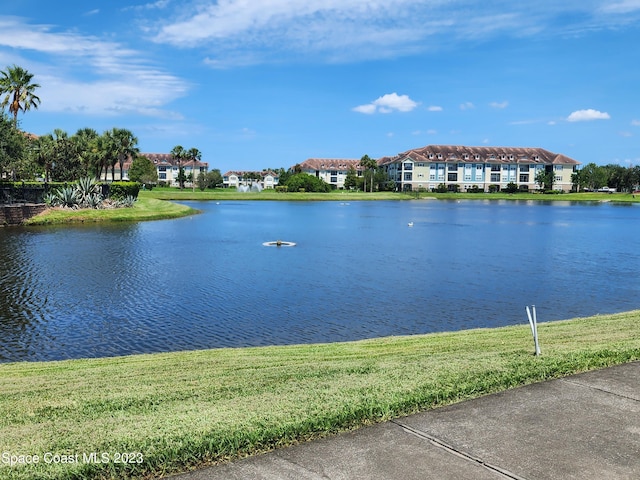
121, 190
67, 197
511, 188
87, 189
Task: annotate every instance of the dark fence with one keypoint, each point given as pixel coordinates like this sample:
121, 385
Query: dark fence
21, 193
11, 193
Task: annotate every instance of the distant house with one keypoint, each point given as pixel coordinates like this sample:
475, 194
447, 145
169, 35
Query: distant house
477, 168
331, 170
235, 178
167, 168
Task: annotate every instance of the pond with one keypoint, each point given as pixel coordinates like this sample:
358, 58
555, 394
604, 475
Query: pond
358, 270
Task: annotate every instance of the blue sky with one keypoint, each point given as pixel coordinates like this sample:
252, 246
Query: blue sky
269, 83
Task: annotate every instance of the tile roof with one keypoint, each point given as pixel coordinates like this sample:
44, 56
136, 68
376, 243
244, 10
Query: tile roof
330, 164
163, 159
463, 154
241, 173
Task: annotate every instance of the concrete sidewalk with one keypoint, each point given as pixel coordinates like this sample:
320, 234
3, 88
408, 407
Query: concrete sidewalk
585, 426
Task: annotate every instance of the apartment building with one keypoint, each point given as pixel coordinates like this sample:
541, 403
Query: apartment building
236, 178
471, 168
331, 170
168, 168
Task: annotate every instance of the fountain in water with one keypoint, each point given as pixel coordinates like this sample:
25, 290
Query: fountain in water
254, 187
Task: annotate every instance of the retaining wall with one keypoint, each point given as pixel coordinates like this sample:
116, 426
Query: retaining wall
16, 214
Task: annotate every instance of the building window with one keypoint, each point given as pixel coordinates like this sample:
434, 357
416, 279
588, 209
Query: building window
162, 169
524, 178
452, 177
408, 176
452, 167
558, 168
162, 176
495, 177
334, 179
495, 168
558, 178
524, 168
408, 166
333, 172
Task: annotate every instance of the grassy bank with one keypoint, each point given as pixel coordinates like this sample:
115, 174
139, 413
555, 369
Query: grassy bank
347, 196
145, 208
270, 194
180, 410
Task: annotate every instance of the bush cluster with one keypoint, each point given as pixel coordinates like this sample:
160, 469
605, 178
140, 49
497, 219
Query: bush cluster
86, 193
121, 190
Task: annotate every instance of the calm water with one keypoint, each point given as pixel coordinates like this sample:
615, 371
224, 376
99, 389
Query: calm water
358, 271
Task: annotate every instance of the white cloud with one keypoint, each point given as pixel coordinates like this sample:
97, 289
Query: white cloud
467, 106
387, 104
635, 123
499, 105
623, 6
85, 74
434, 108
344, 30
587, 115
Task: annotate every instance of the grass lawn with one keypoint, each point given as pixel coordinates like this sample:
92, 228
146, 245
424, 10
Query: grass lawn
176, 411
342, 195
145, 208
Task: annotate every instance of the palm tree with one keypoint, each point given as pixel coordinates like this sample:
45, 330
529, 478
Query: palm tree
44, 147
125, 144
194, 155
179, 154
85, 139
15, 82
102, 148
368, 164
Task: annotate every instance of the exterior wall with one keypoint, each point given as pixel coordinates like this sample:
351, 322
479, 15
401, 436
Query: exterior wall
235, 179
231, 181
335, 178
472, 172
16, 214
333, 171
269, 181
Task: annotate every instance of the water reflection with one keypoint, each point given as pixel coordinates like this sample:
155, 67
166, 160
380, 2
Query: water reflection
357, 271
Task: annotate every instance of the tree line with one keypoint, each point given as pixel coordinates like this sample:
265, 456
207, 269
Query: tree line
593, 177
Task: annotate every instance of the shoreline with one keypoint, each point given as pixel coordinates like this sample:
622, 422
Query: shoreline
159, 204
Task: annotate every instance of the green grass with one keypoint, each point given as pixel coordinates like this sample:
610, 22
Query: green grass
145, 208
270, 194
342, 195
188, 409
